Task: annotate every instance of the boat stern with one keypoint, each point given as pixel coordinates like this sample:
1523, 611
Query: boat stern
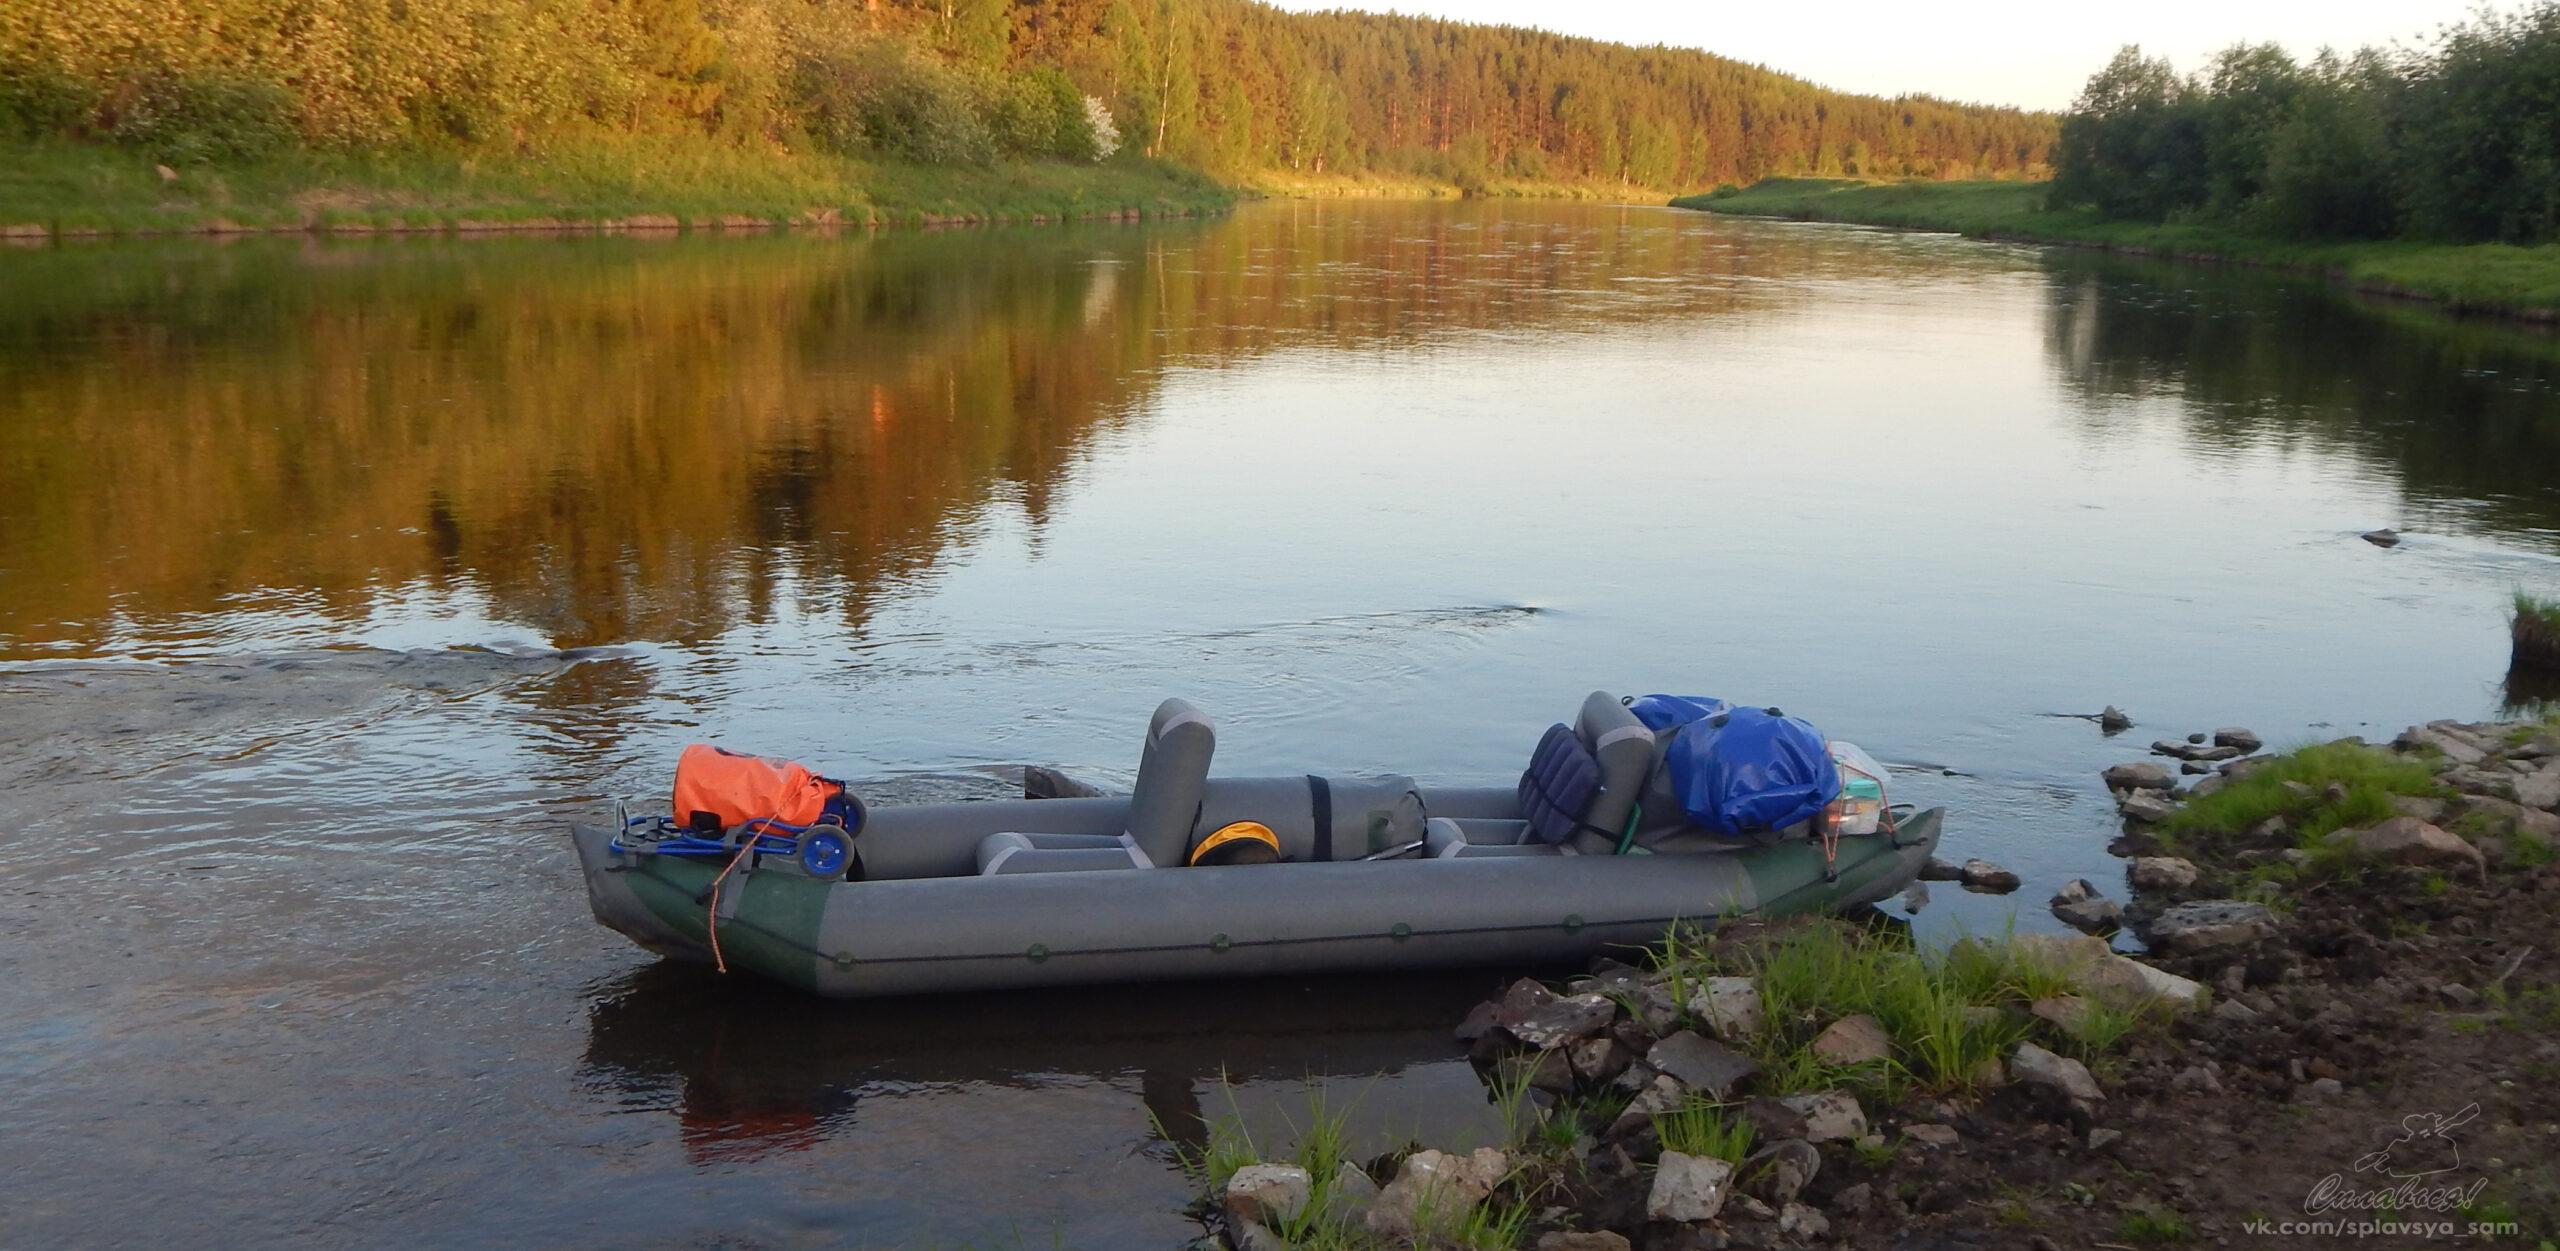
610, 896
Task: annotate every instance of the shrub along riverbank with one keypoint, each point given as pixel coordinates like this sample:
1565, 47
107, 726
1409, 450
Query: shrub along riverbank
2470, 278
62, 188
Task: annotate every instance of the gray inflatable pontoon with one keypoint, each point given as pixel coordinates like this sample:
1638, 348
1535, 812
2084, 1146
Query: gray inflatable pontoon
1379, 873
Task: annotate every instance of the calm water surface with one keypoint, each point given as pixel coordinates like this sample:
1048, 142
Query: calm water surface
294, 950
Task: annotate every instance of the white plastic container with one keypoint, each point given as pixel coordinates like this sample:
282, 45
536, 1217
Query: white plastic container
1862, 797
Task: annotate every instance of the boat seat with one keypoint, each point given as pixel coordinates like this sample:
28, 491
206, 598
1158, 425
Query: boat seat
1583, 782
1173, 775
1449, 838
1000, 854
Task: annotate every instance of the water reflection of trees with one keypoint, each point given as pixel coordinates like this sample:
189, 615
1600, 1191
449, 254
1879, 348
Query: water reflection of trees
2465, 416
620, 439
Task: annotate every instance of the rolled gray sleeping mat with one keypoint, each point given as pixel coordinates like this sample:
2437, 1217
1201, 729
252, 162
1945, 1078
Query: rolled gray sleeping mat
1173, 771
1321, 818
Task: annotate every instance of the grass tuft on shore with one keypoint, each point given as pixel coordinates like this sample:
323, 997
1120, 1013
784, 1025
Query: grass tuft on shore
2318, 789
2534, 624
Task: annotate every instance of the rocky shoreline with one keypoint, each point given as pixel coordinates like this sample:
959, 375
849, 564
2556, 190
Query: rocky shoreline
2344, 1024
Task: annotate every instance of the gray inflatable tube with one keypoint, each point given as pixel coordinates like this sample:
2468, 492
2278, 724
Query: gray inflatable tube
980, 896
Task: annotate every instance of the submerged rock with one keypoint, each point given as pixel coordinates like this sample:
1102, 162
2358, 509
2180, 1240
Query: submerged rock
1935, 870
1985, 878
2138, 776
2114, 720
2384, 537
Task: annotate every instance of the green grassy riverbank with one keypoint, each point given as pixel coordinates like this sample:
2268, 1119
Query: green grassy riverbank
2472, 278
55, 188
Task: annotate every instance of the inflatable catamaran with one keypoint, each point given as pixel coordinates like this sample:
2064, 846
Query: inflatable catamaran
1638, 815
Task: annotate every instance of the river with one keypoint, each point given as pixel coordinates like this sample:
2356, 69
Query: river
336, 577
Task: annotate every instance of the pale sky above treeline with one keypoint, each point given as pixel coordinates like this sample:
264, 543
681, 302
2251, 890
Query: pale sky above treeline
2003, 52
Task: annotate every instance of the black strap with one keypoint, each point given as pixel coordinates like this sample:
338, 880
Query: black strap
1320, 797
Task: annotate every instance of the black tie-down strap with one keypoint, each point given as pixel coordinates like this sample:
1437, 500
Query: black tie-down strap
1320, 804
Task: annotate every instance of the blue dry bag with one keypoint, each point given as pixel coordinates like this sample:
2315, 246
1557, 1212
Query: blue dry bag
1741, 770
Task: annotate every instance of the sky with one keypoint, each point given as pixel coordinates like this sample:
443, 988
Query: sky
2003, 52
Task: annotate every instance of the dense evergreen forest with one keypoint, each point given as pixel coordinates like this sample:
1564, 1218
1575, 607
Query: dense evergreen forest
1229, 86
2454, 141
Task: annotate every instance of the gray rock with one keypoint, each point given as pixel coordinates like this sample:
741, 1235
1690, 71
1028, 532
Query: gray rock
2235, 1012
1560, 1021
1353, 1194
2091, 916
1853, 1200
2454, 748
1701, 1064
2114, 721
2243, 767
1985, 878
1850, 1040
2431, 811
2148, 807
2197, 768
2205, 925
2238, 736
2325, 1088
2471, 780
1829, 1115
1597, 1060
2102, 1138
1270, 1194
2407, 840
2067, 1013
1542, 1070
1931, 1135
2124, 982
1915, 897
1688, 1188
1449, 1184
2160, 873
2075, 890
2207, 785
2138, 776
1935, 870
2458, 995
1729, 1005
1780, 1171
2034, 1066
2385, 537
1795, 1220
1582, 1240
1663, 1095
2196, 1079
1254, 1236
2512, 816
2540, 788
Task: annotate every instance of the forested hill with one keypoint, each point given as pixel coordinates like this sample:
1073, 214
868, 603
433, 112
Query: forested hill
1229, 86
1234, 84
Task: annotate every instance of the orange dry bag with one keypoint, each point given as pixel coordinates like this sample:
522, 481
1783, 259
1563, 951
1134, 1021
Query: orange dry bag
717, 789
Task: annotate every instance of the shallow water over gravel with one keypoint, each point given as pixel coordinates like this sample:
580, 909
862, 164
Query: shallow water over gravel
336, 578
